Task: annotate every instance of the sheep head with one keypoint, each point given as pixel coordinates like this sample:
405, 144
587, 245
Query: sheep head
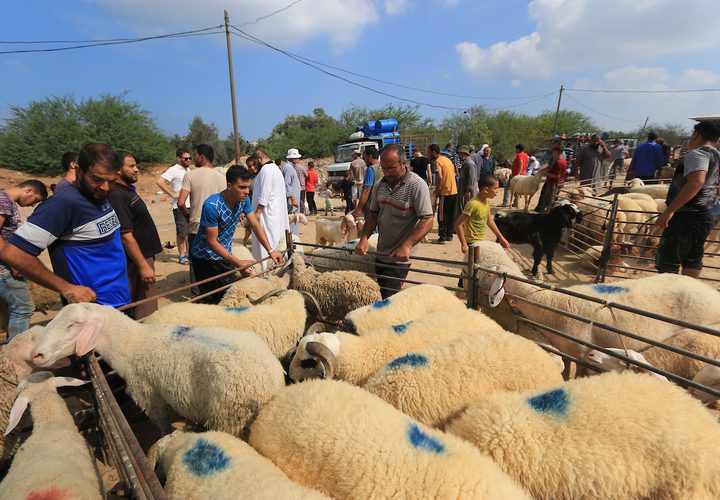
18, 353
347, 223
315, 357
75, 330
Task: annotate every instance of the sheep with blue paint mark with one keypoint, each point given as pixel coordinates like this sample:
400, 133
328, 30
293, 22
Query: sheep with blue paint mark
355, 358
677, 296
217, 465
409, 304
435, 384
347, 443
613, 436
247, 291
54, 462
214, 377
280, 324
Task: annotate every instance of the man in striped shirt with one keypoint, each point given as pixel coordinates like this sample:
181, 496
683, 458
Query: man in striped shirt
400, 208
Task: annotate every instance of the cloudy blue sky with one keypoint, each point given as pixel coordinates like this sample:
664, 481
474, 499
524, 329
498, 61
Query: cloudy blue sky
497, 53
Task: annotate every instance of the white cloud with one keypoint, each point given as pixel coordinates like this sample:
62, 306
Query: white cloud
699, 78
16, 64
341, 21
574, 34
393, 7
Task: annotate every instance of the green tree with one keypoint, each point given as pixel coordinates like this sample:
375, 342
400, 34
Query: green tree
200, 132
673, 133
36, 136
314, 135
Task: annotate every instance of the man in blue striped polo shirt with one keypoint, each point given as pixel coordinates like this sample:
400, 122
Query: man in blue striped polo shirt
82, 233
400, 207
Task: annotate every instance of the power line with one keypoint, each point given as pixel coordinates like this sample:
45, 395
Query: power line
242, 34
270, 15
599, 112
679, 91
118, 41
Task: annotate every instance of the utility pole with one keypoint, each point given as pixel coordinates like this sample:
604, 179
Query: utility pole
642, 131
557, 112
232, 87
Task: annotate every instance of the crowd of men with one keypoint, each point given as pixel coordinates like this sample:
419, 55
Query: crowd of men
102, 240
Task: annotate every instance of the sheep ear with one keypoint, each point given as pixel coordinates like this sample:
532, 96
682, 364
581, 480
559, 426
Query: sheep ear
68, 381
89, 336
18, 408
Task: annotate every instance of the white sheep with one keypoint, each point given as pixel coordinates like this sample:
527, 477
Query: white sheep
213, 377
654, 190
410, 303
347, 443
613, 436
355, 358
590, 257
54, 462
673, 295
280, 324
503, 175
248, 291
525, 185
217, 465
433, 385
322, 258
297, 218
709, 377
611, 363
335, 293
331, 231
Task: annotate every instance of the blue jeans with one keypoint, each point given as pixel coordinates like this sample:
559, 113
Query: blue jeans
16, 293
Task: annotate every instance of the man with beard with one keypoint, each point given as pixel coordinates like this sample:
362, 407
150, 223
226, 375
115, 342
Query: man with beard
138, 234
81, 231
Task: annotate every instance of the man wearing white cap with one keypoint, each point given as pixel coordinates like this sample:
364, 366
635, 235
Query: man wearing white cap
292, 185
294, 156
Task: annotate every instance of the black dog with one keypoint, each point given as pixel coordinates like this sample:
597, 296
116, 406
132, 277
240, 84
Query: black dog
542, 231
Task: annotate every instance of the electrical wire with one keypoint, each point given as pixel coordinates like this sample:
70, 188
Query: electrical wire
679, 91
119, 41
245, 36
599, 112
269, 15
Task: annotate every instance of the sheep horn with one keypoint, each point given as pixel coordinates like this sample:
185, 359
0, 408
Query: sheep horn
263, 298
315, 302
327, 358
317, 327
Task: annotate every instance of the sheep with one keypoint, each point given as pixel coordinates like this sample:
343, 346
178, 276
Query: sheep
217, 465
54, 462
619, 435
322, 258
213, 377
503, 175
335, 293
542, 231
654, 190
280, 324
297, 218
525, 185
709, 377
435, 384
661, 205
609, 363
355, 358
347, 443
408, 304
594, 224
247, 291
665, 172
676, 296
591, 256
331, 231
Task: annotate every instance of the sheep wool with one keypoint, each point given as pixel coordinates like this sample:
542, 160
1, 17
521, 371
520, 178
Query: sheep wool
357, 357
612, 436
407, 305
526, 186
324, 259
41, 468
243, 291
280, 324
213, 377
337, 292
217, 465
347, 443
690, 340
435, 384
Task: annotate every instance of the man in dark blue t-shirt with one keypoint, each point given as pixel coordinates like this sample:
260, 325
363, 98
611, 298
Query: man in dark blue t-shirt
212, 247
81, 231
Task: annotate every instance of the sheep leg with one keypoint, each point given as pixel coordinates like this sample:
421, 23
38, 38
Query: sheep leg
549, 254
537, 258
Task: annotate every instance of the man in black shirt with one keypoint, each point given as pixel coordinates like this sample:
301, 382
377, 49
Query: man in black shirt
138, 234
420, 165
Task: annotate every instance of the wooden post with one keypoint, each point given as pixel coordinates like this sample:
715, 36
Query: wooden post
232, 88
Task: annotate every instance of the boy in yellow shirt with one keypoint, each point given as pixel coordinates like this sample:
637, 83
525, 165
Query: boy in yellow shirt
472, 223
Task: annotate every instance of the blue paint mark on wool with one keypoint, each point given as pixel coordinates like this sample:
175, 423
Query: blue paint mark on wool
381, 303
423, 441
414, 360
237, 309
555, 402
610, 289
401, 328
206, 458
182, 332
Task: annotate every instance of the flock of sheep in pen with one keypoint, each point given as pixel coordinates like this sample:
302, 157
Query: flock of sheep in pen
414, 396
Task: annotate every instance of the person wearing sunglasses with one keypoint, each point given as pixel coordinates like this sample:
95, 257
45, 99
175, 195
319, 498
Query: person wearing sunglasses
170, 182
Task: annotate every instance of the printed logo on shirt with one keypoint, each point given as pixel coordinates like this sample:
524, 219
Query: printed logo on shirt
108, 225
